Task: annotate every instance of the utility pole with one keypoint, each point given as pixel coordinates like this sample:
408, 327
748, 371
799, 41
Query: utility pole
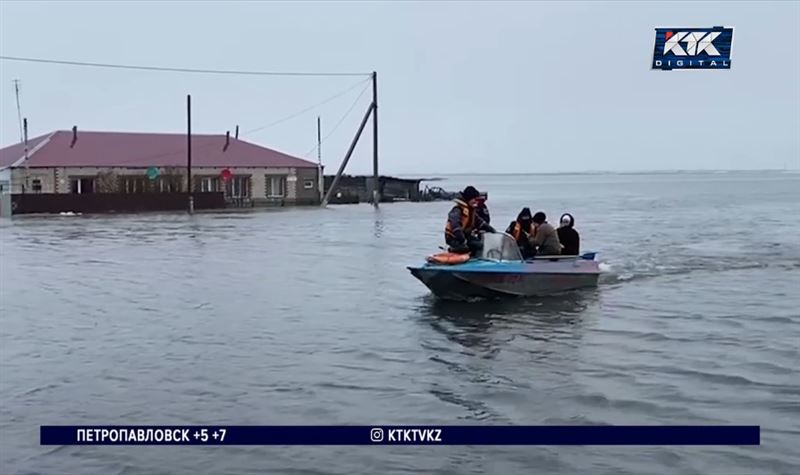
372, 109
189, 152
319, 140
376, 197
25, 137
19, 111
321, 176
347, 156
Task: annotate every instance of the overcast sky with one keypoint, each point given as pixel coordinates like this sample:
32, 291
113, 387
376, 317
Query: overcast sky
463, 87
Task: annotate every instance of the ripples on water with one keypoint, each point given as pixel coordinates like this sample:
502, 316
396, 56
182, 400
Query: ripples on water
309, 316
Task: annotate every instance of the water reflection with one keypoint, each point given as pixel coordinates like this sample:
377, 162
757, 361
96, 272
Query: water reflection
486, 324
379, 223
570, 303
500, 344
486, 327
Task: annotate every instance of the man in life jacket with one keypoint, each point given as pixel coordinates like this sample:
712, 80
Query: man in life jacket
568, 236
464, 224
522, 232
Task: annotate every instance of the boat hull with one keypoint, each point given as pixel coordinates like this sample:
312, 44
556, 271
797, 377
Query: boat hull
488, 279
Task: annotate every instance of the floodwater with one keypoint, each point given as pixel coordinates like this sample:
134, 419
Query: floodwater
309, 316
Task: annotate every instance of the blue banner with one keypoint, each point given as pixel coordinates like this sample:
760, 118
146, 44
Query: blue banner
693, 48
400, 435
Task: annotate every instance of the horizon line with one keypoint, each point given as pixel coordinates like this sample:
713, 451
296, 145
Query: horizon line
597, 172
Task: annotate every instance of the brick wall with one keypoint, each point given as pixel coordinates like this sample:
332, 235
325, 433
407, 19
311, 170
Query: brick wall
301, 186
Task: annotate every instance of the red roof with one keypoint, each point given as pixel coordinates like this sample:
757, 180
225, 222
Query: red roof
141, 150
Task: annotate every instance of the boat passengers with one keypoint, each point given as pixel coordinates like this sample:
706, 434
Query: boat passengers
568, 237
545, 236
522, 232
464, 224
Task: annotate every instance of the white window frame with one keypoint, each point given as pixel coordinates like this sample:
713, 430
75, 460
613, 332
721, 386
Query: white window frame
208, 183
239, 182
308, 184
79, 180
270, 190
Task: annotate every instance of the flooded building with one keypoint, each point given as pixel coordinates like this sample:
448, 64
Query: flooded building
121, 163
358, 188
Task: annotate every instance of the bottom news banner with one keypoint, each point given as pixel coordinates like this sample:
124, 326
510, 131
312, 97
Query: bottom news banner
400, 435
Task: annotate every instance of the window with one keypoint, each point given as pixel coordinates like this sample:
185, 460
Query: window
169, 184
239, 187
133, 184
209, 183
36, 185
275, 186
308, 184
81, 185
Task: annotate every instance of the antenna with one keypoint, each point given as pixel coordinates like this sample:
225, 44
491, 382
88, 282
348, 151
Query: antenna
19, 111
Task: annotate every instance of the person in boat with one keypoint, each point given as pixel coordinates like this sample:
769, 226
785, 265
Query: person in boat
461, 232
522, 232
568, 236
481, 210
545, 236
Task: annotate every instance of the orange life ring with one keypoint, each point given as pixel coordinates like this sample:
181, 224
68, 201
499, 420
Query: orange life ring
449, 258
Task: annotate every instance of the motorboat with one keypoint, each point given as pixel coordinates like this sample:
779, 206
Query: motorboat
500, 271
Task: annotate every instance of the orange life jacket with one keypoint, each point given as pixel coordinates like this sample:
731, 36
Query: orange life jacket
517, 231
467, 219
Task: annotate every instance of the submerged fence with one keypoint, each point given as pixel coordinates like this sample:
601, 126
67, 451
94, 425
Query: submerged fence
112, 202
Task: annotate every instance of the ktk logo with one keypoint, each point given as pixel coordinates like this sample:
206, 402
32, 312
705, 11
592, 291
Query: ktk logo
693, 48
696, 43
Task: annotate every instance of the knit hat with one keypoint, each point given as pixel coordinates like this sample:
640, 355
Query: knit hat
470, 193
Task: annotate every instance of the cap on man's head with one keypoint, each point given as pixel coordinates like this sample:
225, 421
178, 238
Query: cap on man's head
567, 219
539, 217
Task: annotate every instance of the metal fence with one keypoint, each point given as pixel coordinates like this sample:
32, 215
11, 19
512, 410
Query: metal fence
112, 202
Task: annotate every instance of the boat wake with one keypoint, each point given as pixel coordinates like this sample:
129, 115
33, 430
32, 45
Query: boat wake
637, 269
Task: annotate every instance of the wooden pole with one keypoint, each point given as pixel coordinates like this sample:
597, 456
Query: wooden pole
376, 196
320, 174
19, 111
327, 198
189, 152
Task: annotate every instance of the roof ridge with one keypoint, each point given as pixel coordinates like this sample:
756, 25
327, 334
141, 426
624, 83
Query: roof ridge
144, 149
116, 132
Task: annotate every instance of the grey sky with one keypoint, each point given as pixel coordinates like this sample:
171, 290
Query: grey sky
463, 87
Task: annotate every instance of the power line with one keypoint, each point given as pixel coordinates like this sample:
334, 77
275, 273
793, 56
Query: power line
352, 106
178, 70
307, 109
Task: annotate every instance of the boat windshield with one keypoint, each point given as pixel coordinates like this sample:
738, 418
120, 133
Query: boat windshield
500, 247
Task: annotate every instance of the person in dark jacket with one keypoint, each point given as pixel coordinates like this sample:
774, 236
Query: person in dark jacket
482, 210
568, 236
522, 232
464, 224
545, 237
